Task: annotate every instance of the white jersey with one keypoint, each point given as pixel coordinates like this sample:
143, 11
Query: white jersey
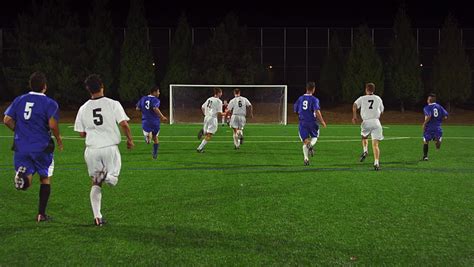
371, 106
212, 106
98, 118
238, 105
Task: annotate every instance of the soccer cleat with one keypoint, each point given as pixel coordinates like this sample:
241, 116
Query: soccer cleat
21, 181
155, 155
200, 150
376, 167
200, 134
363, 156
306, 162
310, 150
241, 138
43, 218
438, 144
99, 178
99, 222
425, 158
236, 147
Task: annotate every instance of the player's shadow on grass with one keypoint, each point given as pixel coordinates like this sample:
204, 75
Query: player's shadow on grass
171, 236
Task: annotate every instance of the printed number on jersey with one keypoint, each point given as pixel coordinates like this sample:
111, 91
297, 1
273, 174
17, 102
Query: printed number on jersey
371, 104
240, 103
28, 110
209, 104
147, 104
98, 119
305, 104
435, 112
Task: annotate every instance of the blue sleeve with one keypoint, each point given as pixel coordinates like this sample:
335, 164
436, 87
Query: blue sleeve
139, 104
157, 103
316, 104
426, 111
295, 106
12, 109
52, 110
445, 112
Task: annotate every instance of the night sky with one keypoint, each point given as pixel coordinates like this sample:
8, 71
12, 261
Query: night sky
270, 13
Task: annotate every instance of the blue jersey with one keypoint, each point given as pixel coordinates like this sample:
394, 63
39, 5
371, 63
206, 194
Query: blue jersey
437, 113
31, 113
305, 106
147, 104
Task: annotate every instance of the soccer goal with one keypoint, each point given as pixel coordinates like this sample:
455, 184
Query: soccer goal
269, 101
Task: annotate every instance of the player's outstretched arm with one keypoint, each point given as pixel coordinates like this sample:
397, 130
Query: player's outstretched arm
9, 122
158, 112
128, 133
354, 113
54, 126
320, 118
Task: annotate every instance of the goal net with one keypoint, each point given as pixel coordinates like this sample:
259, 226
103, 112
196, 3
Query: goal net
269, 102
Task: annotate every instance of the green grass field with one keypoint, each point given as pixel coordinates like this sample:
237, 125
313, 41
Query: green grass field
255, 206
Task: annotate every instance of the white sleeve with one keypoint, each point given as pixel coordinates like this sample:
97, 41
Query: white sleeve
204, 105
248, 102
358, 102
381, 105
120, 113
78, 126
219, 106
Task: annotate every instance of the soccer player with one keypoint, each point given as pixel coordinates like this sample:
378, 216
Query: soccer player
238, 107
32, 117
150, 107
211, 109
371, 107
434, 115
97, 121
308, 109
225, 109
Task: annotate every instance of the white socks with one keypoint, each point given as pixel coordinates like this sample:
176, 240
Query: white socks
96, 198
203, 143
236, 140
376, 162
111, 180
313, 141
305, 152
366, 149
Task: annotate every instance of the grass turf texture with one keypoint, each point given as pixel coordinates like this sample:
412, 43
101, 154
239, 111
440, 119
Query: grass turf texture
255, 206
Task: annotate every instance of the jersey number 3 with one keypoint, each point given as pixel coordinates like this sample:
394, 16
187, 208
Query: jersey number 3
98, 119
28, 110
147, 104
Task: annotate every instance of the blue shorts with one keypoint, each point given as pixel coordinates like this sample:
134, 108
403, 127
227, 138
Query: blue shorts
432, 135
308, 130
151, 127
35, 162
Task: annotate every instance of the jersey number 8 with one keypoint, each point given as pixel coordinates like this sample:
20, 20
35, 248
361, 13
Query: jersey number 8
435, 112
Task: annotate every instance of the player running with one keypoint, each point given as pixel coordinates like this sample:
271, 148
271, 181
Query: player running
434, 115
97, 121
308, 109
371, 107
32, 117
211, 109
225, 118
238, 107
150, 107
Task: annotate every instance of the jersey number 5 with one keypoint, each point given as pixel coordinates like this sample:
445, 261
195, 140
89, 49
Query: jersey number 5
371, 104
28, 110
98, 119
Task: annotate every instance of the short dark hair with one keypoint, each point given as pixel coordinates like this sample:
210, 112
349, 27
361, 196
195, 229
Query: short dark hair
154, 89
236, 91
432, 95
310, 85
217, 90
93, 83
37, 81
370, 87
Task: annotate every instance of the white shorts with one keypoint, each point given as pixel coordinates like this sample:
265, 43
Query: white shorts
103, 159
372, 128
210, 125
237, 121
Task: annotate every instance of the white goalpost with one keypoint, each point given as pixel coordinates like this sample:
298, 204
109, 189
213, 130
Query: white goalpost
269, 101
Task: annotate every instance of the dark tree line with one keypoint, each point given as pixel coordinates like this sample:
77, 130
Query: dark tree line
50, 40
